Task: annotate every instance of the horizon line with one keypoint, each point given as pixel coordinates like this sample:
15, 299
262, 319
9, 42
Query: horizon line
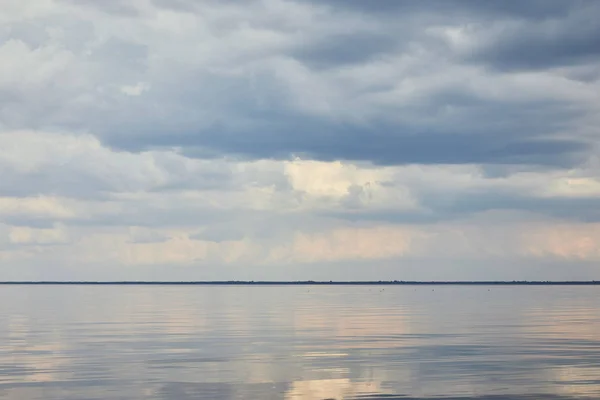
303, 282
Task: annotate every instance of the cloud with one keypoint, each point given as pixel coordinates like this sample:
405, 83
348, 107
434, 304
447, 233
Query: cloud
344, 244
143, 235
345, 49
298, 137
33, 236
114, 7
569, 39
411, 103
534, 9
565, 241
80, 166
219, 233
135, 90
47, 207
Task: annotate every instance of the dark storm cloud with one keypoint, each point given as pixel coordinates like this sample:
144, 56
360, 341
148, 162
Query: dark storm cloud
537, 34
544, 44
209, 115
496, 134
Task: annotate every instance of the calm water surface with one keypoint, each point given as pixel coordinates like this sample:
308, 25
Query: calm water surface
299, 342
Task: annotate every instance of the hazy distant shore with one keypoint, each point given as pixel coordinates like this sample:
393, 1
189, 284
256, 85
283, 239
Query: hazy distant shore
505, 283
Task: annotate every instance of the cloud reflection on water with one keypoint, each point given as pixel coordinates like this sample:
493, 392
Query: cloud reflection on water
297, 342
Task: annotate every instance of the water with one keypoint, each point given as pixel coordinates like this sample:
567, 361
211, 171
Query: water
299, 342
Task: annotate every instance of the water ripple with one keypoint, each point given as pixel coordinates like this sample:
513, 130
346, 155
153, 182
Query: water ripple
162, 342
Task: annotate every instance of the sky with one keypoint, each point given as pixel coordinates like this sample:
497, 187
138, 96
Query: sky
297, 139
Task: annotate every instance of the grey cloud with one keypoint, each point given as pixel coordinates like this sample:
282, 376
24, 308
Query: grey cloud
219, 233
531, 9
572, 40
37, 33
338, 50
72, 181
583, 209
210, 102
54, 182
34, 35
520, 139
36, 247
257, 225
212, 115
250, 113
122, 53
192, 5
455, 206
145, 236
115, 7
133, 214
155, 216
86, 171
147, 214
491, 171
536, 34
30, 221
178, 5
123, 62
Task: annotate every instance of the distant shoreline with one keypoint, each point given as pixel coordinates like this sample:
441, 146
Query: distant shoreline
323, 283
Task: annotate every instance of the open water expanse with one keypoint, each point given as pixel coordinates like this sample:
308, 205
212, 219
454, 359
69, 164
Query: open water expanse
299, 342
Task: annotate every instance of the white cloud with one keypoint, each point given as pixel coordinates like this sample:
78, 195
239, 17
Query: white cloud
135, 90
